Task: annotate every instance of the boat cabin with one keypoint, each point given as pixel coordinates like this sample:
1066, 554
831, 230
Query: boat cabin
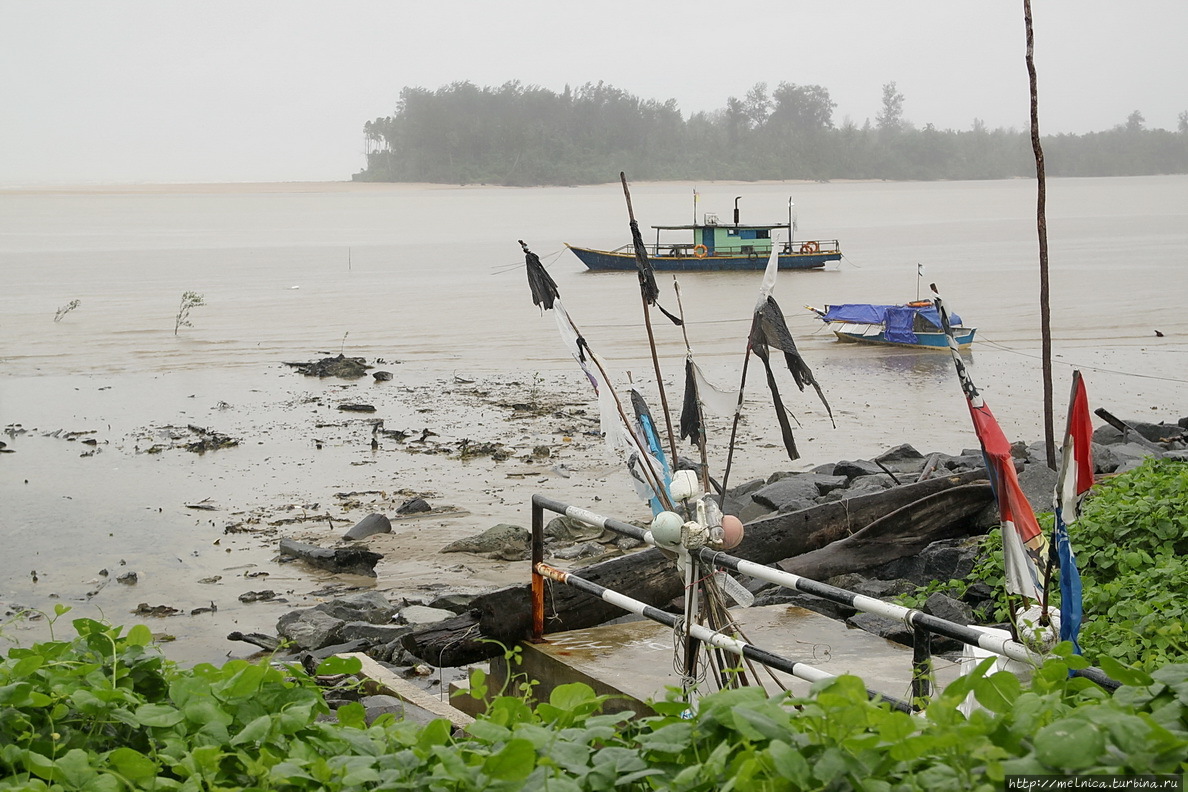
712, 239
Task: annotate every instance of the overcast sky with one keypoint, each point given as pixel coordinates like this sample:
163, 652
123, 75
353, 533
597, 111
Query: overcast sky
141, 91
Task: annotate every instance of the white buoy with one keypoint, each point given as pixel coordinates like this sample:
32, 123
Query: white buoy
684, 486
666, 529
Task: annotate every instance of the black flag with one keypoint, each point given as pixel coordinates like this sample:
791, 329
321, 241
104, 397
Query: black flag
544, 288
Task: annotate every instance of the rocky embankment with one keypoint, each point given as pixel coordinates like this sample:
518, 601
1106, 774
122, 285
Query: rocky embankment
386, 630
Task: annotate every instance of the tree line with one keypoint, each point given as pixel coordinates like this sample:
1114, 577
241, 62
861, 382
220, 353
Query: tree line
519, 134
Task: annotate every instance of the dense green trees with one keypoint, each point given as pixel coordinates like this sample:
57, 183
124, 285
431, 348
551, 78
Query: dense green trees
524, 135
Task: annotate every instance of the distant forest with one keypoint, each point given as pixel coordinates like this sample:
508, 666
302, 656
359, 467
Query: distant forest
527, 135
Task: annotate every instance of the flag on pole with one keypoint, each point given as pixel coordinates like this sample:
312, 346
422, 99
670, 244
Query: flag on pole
1024, 546
1074, 480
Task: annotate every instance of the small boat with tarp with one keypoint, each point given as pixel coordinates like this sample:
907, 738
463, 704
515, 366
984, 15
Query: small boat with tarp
914, 324
711, 245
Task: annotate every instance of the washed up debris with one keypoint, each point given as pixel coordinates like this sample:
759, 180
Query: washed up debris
203, 505
208, 440
414, 506
212, 608
339, 366
159, 611
369, 525
382, 376
257, 596
128, 578
352, 559
266, 642
356, 407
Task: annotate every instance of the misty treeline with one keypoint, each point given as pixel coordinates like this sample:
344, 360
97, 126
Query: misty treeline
527, 135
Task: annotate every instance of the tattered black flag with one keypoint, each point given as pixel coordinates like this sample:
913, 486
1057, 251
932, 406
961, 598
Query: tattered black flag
692, 426
544, 288
643, 265
769, 329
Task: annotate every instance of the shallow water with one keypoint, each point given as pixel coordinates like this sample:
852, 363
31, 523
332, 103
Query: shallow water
430, 280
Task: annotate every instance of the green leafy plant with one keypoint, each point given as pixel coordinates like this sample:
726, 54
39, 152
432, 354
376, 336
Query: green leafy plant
65, 309
105, 711
189, 301
1131, 544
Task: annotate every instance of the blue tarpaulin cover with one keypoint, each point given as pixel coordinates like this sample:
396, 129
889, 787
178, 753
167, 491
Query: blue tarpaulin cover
897, 319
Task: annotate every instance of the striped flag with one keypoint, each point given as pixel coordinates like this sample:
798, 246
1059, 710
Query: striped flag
1075, 479
1024, 546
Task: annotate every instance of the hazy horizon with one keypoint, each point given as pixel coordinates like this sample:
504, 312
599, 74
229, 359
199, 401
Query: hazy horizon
137, 91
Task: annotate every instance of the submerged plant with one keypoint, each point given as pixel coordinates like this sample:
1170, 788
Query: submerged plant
189, 301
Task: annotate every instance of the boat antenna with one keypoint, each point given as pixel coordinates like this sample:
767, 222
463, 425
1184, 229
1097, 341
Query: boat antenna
649, 292
791, 224
736, 209
919, 277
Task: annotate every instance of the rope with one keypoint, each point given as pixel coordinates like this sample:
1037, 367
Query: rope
1004, 348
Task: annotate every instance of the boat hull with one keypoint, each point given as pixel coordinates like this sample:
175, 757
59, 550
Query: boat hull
606, 261
874, 334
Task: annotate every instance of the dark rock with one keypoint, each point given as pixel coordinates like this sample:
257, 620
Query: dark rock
457, 603
368, 526
310, 628
503, 541
373, 634
128, 578
948, 559
267, 642
891, 629
945, 607
873, 587
579, 551
1129, 456
959, 464
353, 560
340, 366
864, 485
421, 614
382, 376
783, 596
1038, 482
414, 506
257, 596
367, 606
789, 493
855, 468
739, 497
898, 454
356, 407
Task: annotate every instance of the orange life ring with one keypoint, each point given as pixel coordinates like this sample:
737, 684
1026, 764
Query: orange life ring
809, 247
701, 251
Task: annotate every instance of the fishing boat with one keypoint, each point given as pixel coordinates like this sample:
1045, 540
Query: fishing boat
914, 324
712, 245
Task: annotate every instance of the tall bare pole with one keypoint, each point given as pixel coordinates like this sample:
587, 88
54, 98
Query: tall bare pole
641, 254
1042, 229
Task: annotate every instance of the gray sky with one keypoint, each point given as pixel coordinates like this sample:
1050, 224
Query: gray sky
130, 91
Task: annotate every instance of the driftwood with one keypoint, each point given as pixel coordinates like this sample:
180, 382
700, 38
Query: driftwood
901, 533
351, 559
505, 615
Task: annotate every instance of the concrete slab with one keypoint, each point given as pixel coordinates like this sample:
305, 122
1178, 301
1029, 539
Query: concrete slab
639, 660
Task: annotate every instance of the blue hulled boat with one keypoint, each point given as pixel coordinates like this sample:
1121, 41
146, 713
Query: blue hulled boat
914, 324
711, 245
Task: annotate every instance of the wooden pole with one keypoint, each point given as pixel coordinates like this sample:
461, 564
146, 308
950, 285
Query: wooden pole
1042, 230
651, 337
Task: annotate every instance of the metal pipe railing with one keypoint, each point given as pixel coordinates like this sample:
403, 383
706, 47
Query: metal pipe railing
921, 623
